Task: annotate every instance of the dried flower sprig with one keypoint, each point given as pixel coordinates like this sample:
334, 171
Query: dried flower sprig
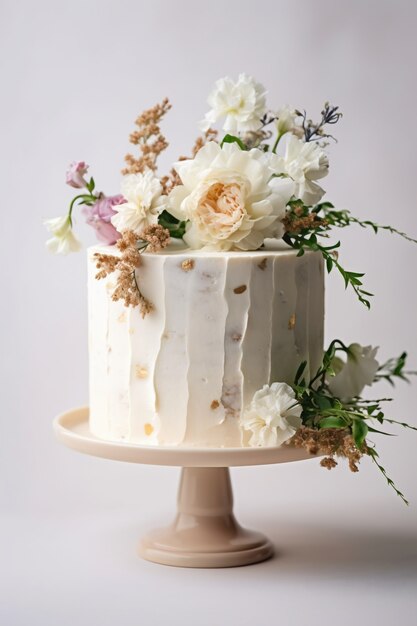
331, 442
131, 245
149, 139
315, 131
327, 419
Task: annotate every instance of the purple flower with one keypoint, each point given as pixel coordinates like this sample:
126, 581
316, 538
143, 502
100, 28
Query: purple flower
75, 174
99, 215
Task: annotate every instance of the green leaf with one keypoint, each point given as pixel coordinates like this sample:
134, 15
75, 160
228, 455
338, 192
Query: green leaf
299, 372
359, 432
175, 227
233, 139
332, 422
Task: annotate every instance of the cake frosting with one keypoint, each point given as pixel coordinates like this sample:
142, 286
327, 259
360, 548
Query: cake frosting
222, 326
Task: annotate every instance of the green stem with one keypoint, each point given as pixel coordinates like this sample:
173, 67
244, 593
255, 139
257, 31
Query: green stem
274, 149
74, 200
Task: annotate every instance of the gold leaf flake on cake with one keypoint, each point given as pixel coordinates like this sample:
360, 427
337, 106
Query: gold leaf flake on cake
215, 405
148, 428
262, 264
110, 286
291, 322
131, 331
140, 371
236, 337
188, 265
122, 317
240, 289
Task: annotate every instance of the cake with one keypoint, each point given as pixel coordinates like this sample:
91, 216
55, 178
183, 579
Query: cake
223, 326
206, 293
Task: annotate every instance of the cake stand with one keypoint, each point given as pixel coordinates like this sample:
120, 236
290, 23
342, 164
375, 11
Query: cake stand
205, 532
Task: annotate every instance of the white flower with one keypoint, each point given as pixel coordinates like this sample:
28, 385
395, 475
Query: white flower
304, 162
63, 240
241, 103
358, 370
286, 121
143, 202
273, 415
229, 198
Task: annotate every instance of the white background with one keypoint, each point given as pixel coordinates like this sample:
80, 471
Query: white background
74, 77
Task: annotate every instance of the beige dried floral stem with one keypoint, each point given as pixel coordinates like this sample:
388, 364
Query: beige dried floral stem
331, 442
149, 139
153, 238
172, 179
296, 222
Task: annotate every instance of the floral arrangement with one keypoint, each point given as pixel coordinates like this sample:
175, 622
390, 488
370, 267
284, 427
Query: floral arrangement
260, 181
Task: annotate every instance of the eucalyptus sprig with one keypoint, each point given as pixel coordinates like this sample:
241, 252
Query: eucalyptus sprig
322, 410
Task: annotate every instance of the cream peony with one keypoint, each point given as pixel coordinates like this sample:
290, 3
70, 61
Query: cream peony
304, 163
358, 370
241, 103
273, 415
143, 202
229, 198
63, 240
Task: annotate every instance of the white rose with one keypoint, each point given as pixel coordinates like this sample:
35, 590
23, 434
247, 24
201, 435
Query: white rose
273, 415
143, 202
304, 163
241, 103
63, 240
229, 198
358, 370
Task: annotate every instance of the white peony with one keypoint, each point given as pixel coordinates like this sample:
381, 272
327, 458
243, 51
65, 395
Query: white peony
286, 121
358, 370
304, 163
273, 415
229, 198
63, 240
143, 202
241, 103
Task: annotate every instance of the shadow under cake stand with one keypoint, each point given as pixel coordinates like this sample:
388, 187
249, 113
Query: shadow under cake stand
205, 532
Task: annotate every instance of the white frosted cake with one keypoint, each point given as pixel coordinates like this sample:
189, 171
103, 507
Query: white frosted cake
222, 326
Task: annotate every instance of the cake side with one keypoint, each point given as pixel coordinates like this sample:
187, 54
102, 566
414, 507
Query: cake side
223, 325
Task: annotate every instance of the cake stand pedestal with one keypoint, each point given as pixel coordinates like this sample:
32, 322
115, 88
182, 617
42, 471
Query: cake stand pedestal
205, 532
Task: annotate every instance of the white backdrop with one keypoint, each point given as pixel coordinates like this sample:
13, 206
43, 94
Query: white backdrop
74, 77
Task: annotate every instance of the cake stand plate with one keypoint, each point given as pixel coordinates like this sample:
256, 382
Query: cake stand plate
205, 532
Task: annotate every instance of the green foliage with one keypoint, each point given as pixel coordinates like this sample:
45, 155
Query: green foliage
233, 139
394, 368
175, 227
341, 219
307, 239
321, 409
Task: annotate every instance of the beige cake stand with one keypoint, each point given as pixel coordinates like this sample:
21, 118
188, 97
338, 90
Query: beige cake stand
205, 532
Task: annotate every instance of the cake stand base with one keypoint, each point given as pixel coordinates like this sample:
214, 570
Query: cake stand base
205, 532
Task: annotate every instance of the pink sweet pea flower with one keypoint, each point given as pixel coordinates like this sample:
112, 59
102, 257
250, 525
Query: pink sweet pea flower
99, 215
75, 174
